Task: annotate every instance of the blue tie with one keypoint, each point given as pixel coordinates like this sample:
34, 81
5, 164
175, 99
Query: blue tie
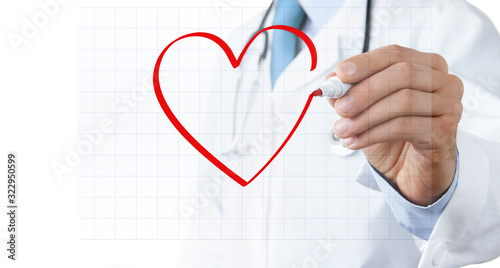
284, 46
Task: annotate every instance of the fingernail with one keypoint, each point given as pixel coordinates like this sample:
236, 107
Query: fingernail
349, 141
341, 126
344, 104
348, 68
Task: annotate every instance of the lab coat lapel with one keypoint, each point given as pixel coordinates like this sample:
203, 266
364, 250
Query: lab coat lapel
339, 39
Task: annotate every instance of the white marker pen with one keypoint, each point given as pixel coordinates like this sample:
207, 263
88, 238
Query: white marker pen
334, 88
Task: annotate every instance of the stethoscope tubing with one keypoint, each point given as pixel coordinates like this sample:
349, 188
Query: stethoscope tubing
366, 47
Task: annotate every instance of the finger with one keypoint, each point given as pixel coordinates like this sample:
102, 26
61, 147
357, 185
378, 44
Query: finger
417, 130
357, 68
404, 102
330, 75
398, 76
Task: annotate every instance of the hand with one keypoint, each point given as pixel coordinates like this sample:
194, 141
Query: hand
403, 112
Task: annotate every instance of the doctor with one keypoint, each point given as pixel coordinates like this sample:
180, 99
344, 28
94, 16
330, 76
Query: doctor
401, 172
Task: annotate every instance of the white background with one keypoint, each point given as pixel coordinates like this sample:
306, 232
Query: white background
38, 111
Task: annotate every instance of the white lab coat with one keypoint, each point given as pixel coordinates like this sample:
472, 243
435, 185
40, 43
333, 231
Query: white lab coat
314, 207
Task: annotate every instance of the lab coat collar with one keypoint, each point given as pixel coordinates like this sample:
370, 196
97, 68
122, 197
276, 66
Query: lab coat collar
316, 10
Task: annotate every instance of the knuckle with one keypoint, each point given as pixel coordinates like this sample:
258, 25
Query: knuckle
457, 109
457, 85
403, 70
369, 88
444, 104
438, 62
371, 95
405, 66
404, 99
398, 52
370, 61
394, 47
360, 122
365, 91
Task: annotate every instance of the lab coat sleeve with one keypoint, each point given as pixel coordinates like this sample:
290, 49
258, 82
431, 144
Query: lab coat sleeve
468, 229
418, 220
470, 44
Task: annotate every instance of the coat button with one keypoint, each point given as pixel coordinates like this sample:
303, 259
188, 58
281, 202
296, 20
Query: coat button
337, 146
438, 254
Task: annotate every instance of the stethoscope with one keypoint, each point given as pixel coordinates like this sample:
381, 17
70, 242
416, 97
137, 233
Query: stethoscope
334, 140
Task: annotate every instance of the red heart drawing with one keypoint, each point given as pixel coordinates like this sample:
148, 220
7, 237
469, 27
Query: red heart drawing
235, 63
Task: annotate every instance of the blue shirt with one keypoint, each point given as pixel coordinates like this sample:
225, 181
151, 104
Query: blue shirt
417, 220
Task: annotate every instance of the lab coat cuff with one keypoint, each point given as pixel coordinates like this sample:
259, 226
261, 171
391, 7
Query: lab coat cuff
417, 220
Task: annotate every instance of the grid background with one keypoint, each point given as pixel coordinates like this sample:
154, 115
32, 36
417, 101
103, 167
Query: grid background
141, 173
